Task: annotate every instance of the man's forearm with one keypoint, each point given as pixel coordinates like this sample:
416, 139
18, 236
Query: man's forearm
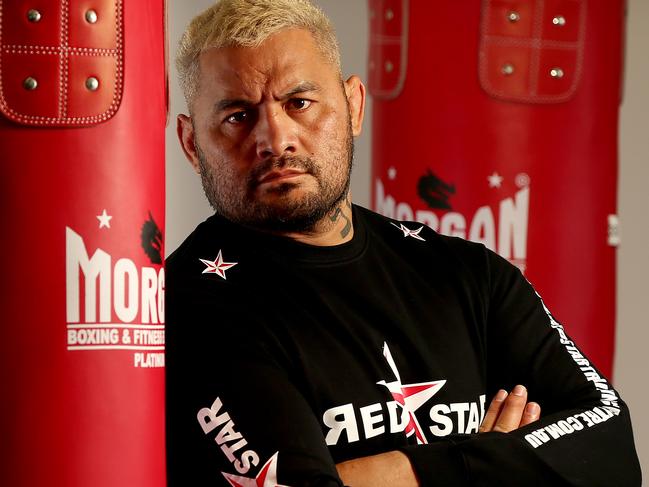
391, 469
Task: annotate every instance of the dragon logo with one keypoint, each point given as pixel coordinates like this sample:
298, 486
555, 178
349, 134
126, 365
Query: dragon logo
434, 191
151, 239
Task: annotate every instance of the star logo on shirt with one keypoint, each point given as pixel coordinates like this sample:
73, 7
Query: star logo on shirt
410, 396
217, 266
267, 476
409, 233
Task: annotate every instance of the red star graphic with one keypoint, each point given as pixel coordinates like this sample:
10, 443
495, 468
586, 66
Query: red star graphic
267, 476
217, 266
410, 396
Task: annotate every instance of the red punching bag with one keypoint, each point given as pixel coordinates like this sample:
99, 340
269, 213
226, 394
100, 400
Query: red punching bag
496, 121
82, 116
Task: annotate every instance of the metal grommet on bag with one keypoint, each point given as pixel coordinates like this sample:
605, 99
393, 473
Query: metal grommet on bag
30, 84
507, 69
557, 73
92, 83
34, 16
559, 20
513, 17
91, 16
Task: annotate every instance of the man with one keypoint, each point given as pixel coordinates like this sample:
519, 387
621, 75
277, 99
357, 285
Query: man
312, 342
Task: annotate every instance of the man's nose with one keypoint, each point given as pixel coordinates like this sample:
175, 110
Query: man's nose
275, 133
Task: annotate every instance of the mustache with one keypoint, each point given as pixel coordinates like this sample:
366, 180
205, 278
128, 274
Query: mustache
305, 164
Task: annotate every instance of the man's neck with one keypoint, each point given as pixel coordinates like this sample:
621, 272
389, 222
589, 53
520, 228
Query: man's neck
334, 229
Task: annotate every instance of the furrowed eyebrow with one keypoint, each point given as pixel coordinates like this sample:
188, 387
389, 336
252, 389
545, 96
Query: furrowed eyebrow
232, 103
301, 88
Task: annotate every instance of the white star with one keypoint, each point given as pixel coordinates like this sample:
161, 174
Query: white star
267, 476
495, 180
392, 173
217, 266
410, 233
104, 219
410, 396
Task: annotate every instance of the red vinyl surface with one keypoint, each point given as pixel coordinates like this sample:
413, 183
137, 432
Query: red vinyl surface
516, 158
83, 215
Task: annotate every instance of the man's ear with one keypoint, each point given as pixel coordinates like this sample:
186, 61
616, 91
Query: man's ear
355, 92
186, 135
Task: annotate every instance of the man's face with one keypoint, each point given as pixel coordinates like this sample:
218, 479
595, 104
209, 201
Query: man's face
272, 131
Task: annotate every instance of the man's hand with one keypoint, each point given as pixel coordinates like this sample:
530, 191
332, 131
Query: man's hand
508, 412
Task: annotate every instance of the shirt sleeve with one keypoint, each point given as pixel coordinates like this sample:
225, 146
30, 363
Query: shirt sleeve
234, 417
584, 436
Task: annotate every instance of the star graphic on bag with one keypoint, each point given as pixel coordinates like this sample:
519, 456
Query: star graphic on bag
104, 219
410, 233
267, 476
410, 396
495, 180
217, 266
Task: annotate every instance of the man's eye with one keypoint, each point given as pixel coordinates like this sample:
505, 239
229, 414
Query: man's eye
238, 117
299, 104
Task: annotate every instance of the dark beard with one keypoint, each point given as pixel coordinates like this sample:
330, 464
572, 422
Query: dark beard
299, 217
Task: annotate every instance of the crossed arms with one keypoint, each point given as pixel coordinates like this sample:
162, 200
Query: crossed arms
506, 413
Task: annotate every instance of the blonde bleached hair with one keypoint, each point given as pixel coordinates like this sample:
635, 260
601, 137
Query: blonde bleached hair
248, 23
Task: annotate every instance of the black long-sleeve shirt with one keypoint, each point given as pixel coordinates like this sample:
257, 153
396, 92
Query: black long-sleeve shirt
284, 359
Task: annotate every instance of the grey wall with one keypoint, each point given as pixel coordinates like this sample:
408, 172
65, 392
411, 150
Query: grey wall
186, 204
633, 254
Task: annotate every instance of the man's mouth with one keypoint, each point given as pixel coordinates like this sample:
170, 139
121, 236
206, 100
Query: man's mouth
280, 176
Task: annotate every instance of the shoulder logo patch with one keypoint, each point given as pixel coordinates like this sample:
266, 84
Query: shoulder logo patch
217, 266
410, 233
